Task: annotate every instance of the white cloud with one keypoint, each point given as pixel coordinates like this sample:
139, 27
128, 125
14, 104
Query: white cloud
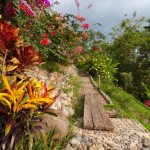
107, 12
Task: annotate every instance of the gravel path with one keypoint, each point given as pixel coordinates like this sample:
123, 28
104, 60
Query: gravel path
127, 135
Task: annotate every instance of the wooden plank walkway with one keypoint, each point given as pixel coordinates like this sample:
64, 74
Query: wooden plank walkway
95, 116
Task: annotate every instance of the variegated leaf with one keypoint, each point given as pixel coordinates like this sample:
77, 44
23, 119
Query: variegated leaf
15, 61
11, 67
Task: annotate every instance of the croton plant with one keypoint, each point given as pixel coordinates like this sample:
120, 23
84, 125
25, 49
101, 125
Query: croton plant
20, 105
14, 54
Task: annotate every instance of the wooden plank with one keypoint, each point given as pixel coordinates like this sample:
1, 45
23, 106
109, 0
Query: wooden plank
107, 122
87, 120
97, 120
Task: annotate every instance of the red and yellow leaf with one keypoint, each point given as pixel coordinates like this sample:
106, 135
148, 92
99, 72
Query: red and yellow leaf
27, 106
11, 67
7, 86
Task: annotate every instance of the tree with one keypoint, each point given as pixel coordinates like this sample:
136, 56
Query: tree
131, 48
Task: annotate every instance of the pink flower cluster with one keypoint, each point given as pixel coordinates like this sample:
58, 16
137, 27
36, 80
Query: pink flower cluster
78, 49
84, 35
77, 3
85, 26
26, 8
147, 103
81, 18
43, 3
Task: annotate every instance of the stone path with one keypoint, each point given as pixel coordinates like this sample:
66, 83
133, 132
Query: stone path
127, 135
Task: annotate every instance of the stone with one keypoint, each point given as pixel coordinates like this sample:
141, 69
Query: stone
70, 94
93, 140
143, 148
78, 131
42, 77
102, 148
70, 111
85, 139
143, 134
57, 105
68, 147
112, 114
111, 144
74, 142
91, 148
59, 124
65, 112
78, 137
63, 96
65, 102
88, 144
146, 143
132, 146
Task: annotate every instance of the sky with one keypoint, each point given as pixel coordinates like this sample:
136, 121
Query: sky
108, 13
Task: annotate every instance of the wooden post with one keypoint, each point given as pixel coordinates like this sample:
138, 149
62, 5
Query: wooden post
99, 80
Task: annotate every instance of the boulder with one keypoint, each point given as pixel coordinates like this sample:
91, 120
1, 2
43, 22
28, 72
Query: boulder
58, 123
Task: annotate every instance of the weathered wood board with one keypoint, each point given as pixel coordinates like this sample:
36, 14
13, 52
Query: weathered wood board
95, 116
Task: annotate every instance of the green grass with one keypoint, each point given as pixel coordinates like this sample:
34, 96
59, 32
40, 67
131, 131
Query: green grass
51, 66
38, 143
126, 105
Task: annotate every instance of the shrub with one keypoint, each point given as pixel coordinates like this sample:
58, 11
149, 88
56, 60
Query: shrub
14, 55
98, 63
20, 105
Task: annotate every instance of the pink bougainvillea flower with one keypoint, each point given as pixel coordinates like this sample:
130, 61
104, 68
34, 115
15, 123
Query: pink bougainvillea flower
47, 2
54, 32
78, 49
26, 8
81, 18
147, 103
85, 26
45, 35
84, 35
9, 10
77, 3
45, 42
41, 3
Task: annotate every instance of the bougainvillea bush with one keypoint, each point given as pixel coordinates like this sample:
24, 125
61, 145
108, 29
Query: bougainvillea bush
56, 36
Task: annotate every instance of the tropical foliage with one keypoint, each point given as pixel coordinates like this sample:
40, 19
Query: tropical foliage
20, 105
14, 54
98, 63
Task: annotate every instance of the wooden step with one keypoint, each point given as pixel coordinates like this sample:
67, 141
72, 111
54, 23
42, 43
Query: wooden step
95, 116
87, 119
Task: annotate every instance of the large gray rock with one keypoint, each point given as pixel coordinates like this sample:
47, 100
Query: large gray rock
59, 124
